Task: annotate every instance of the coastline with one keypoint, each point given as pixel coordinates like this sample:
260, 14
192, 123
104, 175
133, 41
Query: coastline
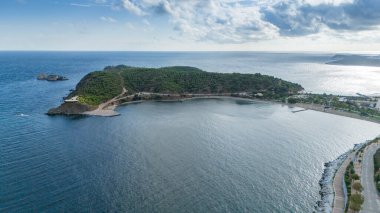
331, 183
326, 202
108, 108
333, 196
320, 108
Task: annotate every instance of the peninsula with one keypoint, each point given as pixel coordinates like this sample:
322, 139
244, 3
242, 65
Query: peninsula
99, 92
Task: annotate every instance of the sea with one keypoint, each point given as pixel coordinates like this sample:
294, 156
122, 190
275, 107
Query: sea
214, 155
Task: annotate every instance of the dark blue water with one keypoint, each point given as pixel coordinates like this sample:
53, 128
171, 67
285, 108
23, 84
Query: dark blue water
196, 156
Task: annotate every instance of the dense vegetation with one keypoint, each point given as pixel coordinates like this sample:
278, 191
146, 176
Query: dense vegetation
348, 177
377, 169
354, 188
99, 86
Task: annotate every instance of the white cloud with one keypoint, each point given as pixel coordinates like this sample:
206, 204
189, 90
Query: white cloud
80, 5
229, 21
146, 22
328, 2
221, 21
107, 19
132, 7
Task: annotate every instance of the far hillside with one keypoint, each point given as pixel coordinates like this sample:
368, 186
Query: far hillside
355, 60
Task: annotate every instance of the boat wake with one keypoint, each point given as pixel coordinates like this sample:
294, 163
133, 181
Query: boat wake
22, 115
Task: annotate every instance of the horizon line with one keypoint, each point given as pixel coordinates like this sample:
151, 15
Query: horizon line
258, 51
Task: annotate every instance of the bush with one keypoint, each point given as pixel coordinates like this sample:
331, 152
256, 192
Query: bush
357, 186
355, 176
292, 100
356, 201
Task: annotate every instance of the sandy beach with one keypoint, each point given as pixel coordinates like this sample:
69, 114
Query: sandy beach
320, 108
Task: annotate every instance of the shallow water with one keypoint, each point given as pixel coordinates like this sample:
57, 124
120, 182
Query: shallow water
194, 156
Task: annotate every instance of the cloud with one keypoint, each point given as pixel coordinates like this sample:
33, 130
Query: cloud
108, 19
80, 5
221, 21
95, 3
297, 19
229, 21
132, 7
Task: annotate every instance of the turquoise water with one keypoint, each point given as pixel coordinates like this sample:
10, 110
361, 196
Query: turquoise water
194, 156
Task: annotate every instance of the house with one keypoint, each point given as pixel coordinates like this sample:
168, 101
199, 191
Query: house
378, 104
342, 99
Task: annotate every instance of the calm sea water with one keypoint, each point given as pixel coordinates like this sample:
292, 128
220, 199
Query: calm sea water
195, 156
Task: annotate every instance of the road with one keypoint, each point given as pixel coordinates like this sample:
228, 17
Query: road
338, 185
371, 198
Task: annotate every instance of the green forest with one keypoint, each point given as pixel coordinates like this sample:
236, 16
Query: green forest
99, 86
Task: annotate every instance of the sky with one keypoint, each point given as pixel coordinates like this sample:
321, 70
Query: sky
191, 25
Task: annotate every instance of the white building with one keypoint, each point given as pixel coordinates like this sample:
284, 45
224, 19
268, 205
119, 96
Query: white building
378, 104
342, 99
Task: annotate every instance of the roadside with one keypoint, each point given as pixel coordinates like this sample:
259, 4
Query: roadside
339, 187
371, 196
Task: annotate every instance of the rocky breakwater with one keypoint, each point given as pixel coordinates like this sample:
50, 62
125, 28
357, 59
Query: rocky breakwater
325, 204
326, 183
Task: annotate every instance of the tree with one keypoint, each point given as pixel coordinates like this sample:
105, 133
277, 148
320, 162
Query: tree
356, 201
355, 207
355, 176
357, 186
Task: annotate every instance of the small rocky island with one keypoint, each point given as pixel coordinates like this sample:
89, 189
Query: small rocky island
99, 92
53, 77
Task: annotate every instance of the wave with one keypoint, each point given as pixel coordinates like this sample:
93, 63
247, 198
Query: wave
22, 115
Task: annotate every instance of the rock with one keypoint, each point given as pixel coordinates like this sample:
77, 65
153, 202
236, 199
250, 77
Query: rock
41, 77
326, 182
70, 109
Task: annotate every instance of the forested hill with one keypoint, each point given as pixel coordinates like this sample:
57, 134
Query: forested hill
100, 86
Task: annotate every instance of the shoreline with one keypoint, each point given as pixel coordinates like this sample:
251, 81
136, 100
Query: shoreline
333, 197
320, 108
327, 192
108, 110
332, 179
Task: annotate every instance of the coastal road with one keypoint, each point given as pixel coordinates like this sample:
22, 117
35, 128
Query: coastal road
339, 206
371, 198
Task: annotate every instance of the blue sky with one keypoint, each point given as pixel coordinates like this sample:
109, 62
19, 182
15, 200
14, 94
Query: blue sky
242, 25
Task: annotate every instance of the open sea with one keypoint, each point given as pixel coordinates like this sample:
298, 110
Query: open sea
194, 156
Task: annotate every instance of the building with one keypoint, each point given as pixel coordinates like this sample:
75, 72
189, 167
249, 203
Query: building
378, 104
342, 99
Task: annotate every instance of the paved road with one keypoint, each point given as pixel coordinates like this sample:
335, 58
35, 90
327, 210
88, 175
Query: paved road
338, 185
371, 198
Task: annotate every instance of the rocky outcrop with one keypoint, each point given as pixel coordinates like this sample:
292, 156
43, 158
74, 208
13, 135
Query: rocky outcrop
70, 109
